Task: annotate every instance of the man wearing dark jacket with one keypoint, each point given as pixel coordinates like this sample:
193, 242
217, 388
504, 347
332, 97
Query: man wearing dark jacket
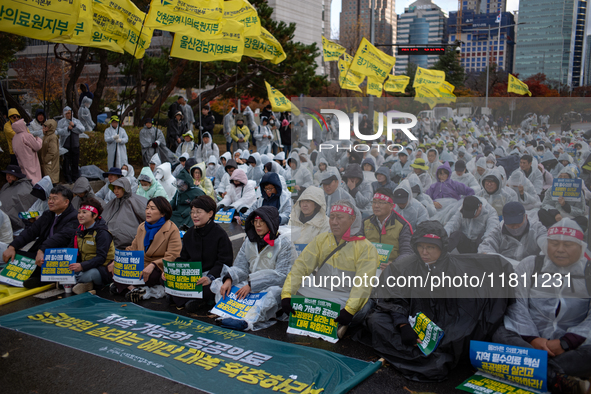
207, 242
54, 229
206, 122
464, 313
383, 180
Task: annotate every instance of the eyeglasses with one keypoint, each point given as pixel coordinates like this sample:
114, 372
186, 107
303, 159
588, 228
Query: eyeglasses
270, 189
14, 116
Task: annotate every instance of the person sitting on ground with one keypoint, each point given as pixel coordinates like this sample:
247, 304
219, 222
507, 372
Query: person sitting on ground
308, 216
181, 202
336, 253
532, 173
200, 180
163, 175
401, 168
209, 243
255, 168
553, 211
15, 195
332, 192
517, 237
464, 176
407, 206
383, 180
160, 239
445, 187
128, 172
95, 247
494, 192
358, 188
149, 186
272, 195
82, 191
106, 193
386, 226
263, 262
468, 227
54, 229
386, 327
224, 185
555, 318
419, 195
422, 170
41, 191
125, 213
298, 173
240, 195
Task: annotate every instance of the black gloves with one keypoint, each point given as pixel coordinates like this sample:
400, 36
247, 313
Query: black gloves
221, 207
344, 318
408, 335
155, 145
286, 305
243, 209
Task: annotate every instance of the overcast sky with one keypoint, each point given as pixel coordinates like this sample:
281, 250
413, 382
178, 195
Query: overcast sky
446, 5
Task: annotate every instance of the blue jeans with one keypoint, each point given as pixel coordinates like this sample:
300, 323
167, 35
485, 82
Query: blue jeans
286, 149
229, 147
92, 275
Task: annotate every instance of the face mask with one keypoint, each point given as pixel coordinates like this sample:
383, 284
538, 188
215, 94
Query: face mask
490, 165
146, 188
212, 166
124, 172
158, 175
518, 231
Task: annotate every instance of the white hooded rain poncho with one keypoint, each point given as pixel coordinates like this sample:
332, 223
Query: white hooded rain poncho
475, 228
154, 190
164, 176
305, 232
501, 196
116, 139
84, 114
414, 212
420, 196
301, 174
529, 199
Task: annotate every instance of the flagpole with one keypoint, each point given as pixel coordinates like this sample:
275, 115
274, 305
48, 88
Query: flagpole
499, 39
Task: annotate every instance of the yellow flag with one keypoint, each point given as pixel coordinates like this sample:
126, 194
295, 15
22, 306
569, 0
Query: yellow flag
374, 86
424, 77
243, 12
122, 21
446, 91
396, 83
371, 61
265, 46
517, 86
103, 30
193, 18
331, 50
41, 20
229, 45
279, 102
349, 80
82, 33
427, 95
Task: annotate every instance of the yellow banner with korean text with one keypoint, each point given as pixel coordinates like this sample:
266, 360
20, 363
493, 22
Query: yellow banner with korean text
517, 86
396, 83
430, 78
41, 20
331, 50
372, 62
279, 102
265, 46
82, 33
427, 95
229, 45
194, 18
374, 87
243, 12
349, 80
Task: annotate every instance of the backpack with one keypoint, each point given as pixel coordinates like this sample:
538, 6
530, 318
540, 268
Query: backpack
587, 273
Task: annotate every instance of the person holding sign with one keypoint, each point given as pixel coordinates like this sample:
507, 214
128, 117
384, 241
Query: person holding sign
160, 239
240, 194
54, 229
263, 262
388, 226
557, 317
470, 313
338, 254
554, 210
95, 248
208, 243
308, 216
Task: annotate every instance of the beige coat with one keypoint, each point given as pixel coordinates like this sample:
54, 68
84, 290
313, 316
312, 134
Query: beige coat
166, 245
50, 153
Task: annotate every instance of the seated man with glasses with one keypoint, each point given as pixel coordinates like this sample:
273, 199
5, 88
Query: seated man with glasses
13, 116
386, 226
273, 195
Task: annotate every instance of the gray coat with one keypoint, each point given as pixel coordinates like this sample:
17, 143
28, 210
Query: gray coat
500, 241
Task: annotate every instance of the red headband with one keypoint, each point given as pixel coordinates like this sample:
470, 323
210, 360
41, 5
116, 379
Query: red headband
342, 208
380, 196
89, 208
571, 232
431, 236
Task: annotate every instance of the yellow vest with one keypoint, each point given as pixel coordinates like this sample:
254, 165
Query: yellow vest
373, 233
87, 248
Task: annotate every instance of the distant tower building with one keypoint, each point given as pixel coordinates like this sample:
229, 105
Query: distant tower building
422, 23
588, 62
355, 23
551, 40
474, 42
484, 7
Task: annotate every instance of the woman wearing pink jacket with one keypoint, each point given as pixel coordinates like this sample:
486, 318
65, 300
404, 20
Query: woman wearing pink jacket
25, 147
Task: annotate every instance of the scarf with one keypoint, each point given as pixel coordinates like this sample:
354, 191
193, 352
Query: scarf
271, 201
151, 230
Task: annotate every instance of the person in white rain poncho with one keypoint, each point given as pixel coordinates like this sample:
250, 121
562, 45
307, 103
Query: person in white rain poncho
524, 189
555, 210
116, 139
321, 168
105, 193
460, 174
41, 190
532, 173
164, 176
188, 146
332, 191
308, 216
517, 237
212, 167
263, 136
149, 186
206, 149
410, 209
6, 235
128, 172
556, 318
152, 141
419, 195
481, 169
69, 130
84, 114
262, 264
466, 229
433, 159
36, 125
255, 168
240, 194
228, 126
401, 168
299, 173
495, 193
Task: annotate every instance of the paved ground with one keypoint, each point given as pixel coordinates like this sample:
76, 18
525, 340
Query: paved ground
32, 365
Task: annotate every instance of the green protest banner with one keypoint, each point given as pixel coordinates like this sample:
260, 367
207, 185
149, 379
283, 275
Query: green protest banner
314, 318
181, 279
17, 271
291, 186
429, 333
384, 251
187, 351
28, 215
479, 383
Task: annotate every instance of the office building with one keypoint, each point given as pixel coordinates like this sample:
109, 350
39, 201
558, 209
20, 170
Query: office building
355, 23
551, 40
475, 41
484, 6
421, 23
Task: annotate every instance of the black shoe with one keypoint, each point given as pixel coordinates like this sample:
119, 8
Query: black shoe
135, 295
33, 282
566, 384
192, 306
113, 289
